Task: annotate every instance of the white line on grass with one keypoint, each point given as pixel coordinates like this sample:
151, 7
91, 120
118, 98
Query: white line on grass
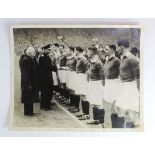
71, 115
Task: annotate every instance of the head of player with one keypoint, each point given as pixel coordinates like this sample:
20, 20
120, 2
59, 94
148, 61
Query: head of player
61, 48
122, 47
70, 51
79, 51
110, 50
92, 52
55, 47
135, 51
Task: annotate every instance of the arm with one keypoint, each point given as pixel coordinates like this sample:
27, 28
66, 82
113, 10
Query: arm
86, 65
101, 72
135, 69
52, 63
87, 75
116, 67
26, 68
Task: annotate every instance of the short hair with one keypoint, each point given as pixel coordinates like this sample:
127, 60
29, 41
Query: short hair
102, 51
62, 46
78, 48
71, 48
94, 49
124, 43
112, 47
134, 50
25, 50
56, 44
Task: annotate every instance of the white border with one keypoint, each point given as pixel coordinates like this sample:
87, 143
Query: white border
11, 127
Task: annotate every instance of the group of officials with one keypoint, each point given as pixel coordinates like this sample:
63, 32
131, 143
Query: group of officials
83, 79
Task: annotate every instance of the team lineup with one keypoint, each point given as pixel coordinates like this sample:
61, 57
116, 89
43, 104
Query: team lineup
82, 79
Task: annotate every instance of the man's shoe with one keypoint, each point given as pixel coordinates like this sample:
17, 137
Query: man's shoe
85, 117
93, 122
75, 110
80, 115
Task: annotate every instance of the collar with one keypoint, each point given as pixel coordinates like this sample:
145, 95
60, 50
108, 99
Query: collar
70, 57
80, 57
50, 54
111, 56
94, 59
41, 55
126, 55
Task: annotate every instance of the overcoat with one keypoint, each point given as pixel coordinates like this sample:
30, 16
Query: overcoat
27, 80
45, 69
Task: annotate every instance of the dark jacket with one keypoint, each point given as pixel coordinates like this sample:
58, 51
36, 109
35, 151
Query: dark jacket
27, 79
62, 60
20, 66
45, 68
82, 65
111, 68
95, 71
71, 63
21, 59
129, 68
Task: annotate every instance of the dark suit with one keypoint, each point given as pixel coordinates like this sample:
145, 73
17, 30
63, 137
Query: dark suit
36, 84
28, 84
46, 80
20, 65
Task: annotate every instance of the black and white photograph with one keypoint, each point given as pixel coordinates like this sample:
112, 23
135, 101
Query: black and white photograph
76, 77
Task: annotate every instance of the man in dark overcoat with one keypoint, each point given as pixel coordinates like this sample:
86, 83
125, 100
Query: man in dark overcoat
20, 63
45, 79
28, 81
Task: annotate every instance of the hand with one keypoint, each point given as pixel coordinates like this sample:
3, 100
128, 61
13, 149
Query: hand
103, 82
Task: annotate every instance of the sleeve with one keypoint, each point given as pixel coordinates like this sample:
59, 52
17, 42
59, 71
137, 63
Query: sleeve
26, 69
87, 75
20, 62
67, 63
134, 67
52, 63
85, 64
54, 66
116, 67
101, 71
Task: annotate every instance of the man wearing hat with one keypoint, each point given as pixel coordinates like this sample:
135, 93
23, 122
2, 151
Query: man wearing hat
128, 101
28, 81
95, 75
45, 68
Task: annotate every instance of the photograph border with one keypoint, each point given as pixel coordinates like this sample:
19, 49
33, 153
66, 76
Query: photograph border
11, 117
